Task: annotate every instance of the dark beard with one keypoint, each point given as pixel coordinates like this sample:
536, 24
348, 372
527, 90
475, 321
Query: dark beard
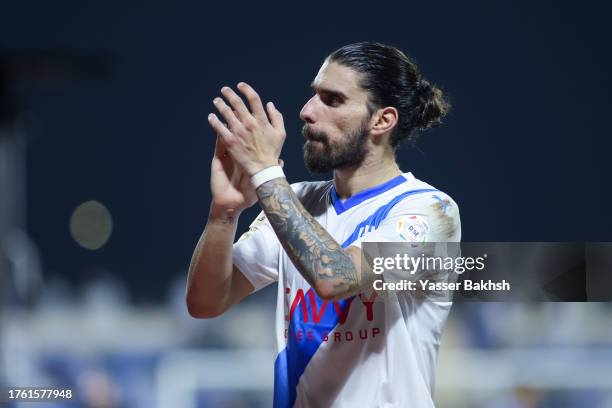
325, 157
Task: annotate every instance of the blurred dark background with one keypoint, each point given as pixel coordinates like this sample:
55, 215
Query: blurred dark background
112, 100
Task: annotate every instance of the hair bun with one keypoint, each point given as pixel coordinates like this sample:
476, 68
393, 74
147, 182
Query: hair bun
431, 105
423, 87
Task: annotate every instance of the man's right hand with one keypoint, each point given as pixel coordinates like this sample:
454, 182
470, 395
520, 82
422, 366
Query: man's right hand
231, 187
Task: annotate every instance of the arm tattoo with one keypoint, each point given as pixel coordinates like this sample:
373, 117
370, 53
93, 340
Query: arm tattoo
312, 250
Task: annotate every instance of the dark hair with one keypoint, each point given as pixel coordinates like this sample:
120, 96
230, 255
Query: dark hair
392, 79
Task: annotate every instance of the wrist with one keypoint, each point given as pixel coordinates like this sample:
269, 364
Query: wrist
259, 166
266, 174
224, 215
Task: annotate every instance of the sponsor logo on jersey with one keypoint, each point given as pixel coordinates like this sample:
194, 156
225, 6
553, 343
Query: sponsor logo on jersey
311, 325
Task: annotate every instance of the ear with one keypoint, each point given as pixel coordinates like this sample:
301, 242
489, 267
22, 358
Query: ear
383, 121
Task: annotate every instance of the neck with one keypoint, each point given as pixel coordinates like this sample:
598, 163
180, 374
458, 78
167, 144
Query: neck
372, 172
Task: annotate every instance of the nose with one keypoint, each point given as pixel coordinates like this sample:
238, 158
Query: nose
307, 114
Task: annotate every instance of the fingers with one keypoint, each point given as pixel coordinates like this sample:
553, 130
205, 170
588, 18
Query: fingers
226, 112
236, 102
281, 163
254, 100
220, 128
276, 118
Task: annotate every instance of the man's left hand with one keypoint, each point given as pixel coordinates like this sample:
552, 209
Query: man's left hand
253, 140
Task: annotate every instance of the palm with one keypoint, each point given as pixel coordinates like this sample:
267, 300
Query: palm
230, 185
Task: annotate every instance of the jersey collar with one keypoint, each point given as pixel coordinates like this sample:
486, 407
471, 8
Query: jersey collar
363, 195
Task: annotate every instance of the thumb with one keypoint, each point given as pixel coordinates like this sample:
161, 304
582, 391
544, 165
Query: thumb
220, 149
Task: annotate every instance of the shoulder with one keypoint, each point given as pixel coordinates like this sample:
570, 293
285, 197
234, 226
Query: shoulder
425, 195
429, 208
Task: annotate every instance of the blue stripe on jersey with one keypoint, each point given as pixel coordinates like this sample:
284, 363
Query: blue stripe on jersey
360, 197
292, 361
374, 220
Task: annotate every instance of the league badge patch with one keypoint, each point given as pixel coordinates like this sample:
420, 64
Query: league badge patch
413, 228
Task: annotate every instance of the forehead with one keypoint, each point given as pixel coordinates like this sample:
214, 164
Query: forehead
335, 77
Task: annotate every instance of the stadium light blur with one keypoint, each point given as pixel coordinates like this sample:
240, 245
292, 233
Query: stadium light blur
91, 225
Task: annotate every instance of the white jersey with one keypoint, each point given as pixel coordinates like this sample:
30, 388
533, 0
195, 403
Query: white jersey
356, 352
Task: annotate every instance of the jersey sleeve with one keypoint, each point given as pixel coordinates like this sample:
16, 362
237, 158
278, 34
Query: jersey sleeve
426, 222
429, 217
256, 253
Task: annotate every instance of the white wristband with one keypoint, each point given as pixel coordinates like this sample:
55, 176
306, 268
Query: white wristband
266, 174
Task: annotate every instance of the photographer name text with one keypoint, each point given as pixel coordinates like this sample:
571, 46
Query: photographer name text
428, 285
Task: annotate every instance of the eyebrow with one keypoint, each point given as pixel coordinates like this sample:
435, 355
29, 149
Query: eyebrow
332, 92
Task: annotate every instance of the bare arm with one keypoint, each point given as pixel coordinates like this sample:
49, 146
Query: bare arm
213, 283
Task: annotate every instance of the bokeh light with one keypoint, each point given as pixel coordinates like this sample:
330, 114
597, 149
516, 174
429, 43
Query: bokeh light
91, 225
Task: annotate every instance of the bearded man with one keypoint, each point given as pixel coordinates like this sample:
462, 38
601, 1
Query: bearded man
337, 346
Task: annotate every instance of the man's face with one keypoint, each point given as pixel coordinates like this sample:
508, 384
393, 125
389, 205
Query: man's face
336, 119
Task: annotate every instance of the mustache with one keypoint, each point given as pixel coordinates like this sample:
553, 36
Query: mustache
309, 134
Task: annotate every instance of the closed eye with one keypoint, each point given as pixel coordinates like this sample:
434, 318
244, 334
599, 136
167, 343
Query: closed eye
329, 97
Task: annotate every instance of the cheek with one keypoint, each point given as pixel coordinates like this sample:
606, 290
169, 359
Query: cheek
340, 121
345, 124
349, 121
341, 117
